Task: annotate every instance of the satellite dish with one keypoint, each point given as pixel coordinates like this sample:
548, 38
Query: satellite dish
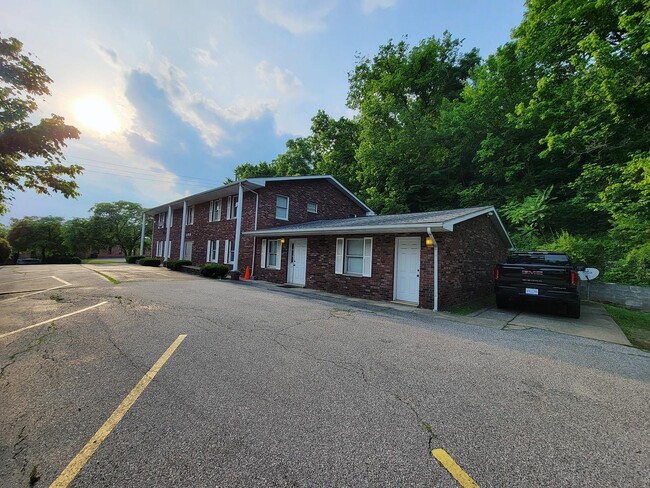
588, 274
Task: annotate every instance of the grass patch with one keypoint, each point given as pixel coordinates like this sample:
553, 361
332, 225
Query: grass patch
472, 306
101, 261
109, 278
56, 298
635, 324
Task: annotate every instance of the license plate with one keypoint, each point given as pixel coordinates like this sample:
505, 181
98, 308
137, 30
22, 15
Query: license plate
532, 291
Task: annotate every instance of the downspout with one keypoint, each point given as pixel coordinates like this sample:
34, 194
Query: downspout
169, 222
435, 270
181, 252
144, 217
240, 208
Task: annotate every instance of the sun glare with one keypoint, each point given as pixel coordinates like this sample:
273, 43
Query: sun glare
96, 115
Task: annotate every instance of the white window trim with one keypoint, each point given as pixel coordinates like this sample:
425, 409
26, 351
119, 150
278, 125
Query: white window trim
228, 249
212, 205
276, 207
315, 211
213, 248
232, 209
264, 256
189, 218
341, 253
162, 217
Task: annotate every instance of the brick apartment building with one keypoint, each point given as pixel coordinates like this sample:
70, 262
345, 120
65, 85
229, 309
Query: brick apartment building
311, 231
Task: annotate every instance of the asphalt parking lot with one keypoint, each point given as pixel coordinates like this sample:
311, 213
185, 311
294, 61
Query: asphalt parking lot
268, 388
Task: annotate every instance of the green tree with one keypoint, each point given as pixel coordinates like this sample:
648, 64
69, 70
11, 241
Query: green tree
119, 223
81, 237
403, 164
40, 235
5, 250
21, 82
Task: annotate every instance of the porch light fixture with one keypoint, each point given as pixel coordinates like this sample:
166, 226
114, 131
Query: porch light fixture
429, 241
281, 240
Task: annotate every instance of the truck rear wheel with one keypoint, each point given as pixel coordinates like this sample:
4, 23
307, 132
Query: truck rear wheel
573, 310
502, 302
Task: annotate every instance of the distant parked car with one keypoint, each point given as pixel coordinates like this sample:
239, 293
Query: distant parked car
28, 261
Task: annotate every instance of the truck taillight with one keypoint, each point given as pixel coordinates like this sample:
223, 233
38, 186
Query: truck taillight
574, 278
497, 273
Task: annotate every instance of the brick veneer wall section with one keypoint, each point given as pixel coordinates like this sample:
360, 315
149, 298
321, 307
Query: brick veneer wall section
466, 260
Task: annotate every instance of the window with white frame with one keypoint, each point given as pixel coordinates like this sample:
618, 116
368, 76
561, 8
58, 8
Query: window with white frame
282, 207
233, 204
159, 248
271, 254
229, 252
215, 210
354, 256
213, 251
161, 219
189, 216
312, 207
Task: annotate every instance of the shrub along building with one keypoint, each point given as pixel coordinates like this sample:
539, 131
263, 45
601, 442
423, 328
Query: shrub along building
311, 231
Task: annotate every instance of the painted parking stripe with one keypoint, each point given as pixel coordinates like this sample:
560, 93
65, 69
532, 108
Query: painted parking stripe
62, 281
51, 320
454, 469
80, 460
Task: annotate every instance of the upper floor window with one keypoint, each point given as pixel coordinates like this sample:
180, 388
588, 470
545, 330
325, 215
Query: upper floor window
189, 217
312, 207
161, 220
233, 205
282, 207
215, 210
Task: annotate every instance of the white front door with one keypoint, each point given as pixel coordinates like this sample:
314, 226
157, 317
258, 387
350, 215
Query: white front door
407, 269
187, 252
297, 261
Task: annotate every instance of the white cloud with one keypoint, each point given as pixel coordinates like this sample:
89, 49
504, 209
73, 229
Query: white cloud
297, 16
283, 80
369, 6
204, 57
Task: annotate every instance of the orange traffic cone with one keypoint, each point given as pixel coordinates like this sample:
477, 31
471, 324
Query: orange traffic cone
247, 274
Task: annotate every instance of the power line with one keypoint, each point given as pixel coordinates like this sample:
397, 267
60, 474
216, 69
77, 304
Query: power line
162, 179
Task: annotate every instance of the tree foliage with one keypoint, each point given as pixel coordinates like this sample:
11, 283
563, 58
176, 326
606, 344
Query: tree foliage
21, 82
118, 223
41, 236
553, 129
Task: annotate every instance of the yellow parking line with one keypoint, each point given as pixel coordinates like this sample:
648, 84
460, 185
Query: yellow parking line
80, 460
456, 471
50, 320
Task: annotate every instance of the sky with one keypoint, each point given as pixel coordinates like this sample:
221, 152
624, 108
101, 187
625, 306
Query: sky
171, 96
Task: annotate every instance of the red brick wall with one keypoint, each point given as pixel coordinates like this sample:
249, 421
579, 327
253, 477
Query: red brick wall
331, 204
466, 260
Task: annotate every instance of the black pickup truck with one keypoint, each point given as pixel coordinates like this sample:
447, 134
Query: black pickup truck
538, 276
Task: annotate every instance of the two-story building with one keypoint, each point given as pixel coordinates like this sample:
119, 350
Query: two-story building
311, 231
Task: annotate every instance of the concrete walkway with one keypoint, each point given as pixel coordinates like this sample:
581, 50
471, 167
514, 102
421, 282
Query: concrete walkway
594, 322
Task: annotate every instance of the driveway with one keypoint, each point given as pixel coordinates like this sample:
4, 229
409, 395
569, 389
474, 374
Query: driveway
594, 321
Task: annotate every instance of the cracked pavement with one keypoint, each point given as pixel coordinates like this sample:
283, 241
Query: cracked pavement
274, 389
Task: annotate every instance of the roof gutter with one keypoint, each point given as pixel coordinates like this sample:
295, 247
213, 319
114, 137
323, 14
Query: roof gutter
283, 231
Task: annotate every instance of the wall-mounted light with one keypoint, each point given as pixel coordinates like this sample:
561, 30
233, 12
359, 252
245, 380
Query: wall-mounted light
429, 241
282, 240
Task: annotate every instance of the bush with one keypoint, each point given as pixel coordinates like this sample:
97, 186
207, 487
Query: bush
214, 270
5, 250
150, 261
633, 269
175, 264
133, 259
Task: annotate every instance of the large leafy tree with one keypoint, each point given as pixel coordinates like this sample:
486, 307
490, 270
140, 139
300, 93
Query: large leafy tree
399, 93
40, 235
21, 82
118, 224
